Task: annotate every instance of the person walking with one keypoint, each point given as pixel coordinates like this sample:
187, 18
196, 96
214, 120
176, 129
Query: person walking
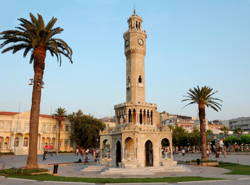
77, 151
183, 152
225, 153
44, 155
210, 153
207, 153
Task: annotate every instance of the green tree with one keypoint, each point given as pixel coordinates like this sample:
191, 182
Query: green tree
209, 136
238, 131
231, 139
225, 131
203, 97
33, 36
195, 137
180, 136
60, 114
85, 129
245, 139
239, 141
226, 143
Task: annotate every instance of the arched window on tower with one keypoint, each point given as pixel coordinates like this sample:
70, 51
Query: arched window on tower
140, 80
139, 25
128, 80
136, 24
129, 116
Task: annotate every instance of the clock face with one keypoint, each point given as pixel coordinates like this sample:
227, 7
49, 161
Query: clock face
126, 43
140, 41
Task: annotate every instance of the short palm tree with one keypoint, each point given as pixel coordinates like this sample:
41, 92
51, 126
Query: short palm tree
225, 131
238, 131
33, 36
203, 97
60, 114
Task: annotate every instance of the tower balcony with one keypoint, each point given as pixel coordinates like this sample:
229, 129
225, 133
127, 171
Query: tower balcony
125, 104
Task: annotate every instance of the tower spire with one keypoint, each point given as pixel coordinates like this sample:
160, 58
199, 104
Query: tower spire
134, 9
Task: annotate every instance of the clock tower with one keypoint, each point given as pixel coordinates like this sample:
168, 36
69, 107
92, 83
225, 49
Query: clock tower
136, 139
135, 51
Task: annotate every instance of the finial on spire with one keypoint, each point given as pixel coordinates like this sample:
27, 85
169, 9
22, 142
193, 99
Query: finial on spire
134, 9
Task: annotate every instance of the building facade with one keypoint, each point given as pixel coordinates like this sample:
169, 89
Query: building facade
14, 133
241, 122
136, 140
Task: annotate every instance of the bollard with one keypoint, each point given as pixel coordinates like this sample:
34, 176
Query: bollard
55, 169
198, 162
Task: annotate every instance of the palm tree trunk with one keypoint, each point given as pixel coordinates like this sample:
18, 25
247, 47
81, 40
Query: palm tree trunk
202, 115
59, 132
39, 57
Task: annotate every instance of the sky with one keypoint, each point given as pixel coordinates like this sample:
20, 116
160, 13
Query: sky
190, 43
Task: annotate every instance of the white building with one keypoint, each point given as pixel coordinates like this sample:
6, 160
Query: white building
14, 133
241, 122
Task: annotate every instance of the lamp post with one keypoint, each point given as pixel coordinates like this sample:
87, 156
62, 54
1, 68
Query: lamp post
1, 141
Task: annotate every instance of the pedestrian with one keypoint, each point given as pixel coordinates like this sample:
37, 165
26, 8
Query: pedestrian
196, 151
210, 153
207, 153
77, 150
225, 153
44, 155
217, 154
173, 151
247, 149
183, 152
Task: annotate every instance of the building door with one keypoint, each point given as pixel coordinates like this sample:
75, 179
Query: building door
149, 153
118, 153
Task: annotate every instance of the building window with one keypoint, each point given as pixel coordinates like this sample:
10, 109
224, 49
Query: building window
8, 127
54, 128
44, 127
1, 125
49, 127
26, 142
26, 127
140, 80
67, 128
16, 143
71, 143
66, 144
18, 126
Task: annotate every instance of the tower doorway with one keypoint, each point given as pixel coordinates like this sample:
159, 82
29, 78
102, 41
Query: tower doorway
118, 153
149, 153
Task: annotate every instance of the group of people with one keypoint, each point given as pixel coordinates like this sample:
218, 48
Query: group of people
94, 152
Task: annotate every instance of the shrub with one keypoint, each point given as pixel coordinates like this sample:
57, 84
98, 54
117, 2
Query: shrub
21, 171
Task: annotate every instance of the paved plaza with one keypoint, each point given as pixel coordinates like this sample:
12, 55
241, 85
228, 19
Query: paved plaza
67, 167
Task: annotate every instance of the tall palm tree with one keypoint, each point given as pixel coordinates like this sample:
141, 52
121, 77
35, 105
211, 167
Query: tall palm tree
60, 114
33, 36
203, 97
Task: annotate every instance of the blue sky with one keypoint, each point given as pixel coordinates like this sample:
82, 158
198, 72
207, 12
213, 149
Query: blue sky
189, 43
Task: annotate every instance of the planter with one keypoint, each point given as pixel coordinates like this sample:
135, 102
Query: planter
209, 163
204, 163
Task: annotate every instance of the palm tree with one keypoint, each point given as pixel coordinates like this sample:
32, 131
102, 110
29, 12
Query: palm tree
203, 97
37, 38
238, 131
225, 131
60, 114
210, 132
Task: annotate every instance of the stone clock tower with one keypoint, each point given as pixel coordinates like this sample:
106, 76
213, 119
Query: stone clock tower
136, 139
135, 51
